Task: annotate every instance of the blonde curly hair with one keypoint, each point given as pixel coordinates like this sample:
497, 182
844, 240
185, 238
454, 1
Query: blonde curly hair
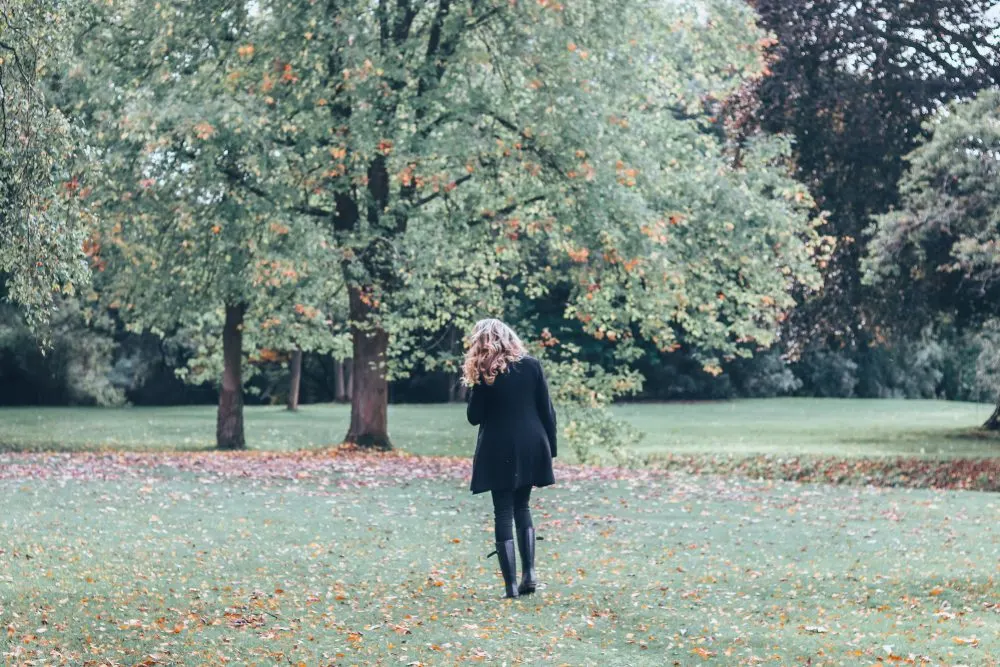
492, 347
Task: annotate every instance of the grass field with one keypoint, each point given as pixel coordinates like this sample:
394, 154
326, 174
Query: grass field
784, 426
301, 561
294, 554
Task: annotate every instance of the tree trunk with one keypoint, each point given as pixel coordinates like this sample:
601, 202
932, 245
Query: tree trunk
349, 371
993, 423
338, 372
370, 399
457, 390
229, 425
296, 380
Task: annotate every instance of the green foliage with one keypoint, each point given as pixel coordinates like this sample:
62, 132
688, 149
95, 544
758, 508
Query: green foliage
43, 203
521, 159
943, 240
76, 368
441, 161
183, 233
583, 393
938, 254
853, 86
988, 360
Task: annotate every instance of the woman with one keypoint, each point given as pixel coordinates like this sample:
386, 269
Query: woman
510, 403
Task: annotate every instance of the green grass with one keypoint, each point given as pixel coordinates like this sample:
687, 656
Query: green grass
192, 569
785, 426
211, 558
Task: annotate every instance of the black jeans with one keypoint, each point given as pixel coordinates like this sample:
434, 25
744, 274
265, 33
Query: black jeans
508, 507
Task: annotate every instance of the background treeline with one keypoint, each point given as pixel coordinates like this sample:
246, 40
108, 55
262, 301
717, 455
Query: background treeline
99, 363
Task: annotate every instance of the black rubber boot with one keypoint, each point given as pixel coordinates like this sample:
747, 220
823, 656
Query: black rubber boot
526, 545
508, 567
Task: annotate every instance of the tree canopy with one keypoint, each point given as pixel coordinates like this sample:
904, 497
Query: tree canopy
43, 205
852, 82
433, 162
938, 253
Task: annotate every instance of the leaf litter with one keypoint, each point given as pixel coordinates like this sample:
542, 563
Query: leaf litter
345, 557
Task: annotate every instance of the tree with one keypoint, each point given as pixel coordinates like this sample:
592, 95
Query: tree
466, 155
453, 158
42, 199
852, 82
938, 254
184, 240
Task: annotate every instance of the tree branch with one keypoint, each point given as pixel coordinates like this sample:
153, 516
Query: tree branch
401, 30
506, 210
314, 211
435, 195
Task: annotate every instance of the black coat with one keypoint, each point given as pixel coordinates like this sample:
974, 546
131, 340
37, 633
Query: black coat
517, 430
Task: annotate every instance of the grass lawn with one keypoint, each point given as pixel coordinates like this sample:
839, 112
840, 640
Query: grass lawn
263, 559
783, 426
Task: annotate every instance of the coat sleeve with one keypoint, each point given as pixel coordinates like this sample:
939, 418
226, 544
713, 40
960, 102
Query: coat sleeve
475, 411
545, 409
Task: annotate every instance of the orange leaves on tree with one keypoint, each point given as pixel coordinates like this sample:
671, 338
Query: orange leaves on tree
204, 130
548, 340
626, 175
578, 255
288, 74
406, 175
245, 51
267, 355
337, 171
216, 229
614, 119
273, 273
92, 249
309, 312
279, 228
385, 146
513, 226
656, 231
369, 299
